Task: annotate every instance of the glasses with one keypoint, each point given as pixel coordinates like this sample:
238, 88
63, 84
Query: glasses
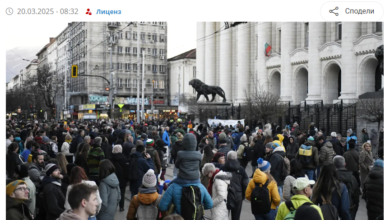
22, 189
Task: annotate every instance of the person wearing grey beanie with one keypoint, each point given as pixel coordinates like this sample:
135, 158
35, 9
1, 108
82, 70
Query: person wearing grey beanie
188, 160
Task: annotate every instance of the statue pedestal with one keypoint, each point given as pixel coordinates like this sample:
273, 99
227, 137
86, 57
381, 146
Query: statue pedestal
215, 104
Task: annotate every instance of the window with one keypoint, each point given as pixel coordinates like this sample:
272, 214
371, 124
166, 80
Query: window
339, 31
306, 34
119, 66
162, 68
142, 35
140, 68
134, 83
127, 66
127, 83
134, 67
154, 37
149, 36
149, 51
119, 82
162, 84
134, 50
280, 41
128, 35
154, 23
154, 68
148, 82
119, 49
194, 71
120, 35
142, 50
162, 38
162, 51
148, 66
127, 49
134, 35
154, 52
378, 26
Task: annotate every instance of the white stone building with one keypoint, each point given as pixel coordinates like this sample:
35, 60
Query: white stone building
181, 69
310, 61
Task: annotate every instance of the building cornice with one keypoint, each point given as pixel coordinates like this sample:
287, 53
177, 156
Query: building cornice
298, 50
299, 62
363, 52
328, 44
331, 57
272, 55
273, 66
367, 36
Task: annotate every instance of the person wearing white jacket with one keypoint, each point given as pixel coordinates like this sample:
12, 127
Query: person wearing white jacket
77, 173
219, 195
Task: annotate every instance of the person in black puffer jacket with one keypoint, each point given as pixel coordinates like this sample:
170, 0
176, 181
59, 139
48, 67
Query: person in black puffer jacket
292, 148
373, 189
239, 181
53, 197
258, 151
119, 160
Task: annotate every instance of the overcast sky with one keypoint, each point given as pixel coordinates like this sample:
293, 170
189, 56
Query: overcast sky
181, 35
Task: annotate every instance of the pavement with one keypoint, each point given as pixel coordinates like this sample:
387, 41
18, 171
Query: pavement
246, 212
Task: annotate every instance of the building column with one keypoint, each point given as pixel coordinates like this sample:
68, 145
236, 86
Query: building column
350, 32
225, 64
210, 70
287, 46
317, 37
200, 51
243, 61
264, 36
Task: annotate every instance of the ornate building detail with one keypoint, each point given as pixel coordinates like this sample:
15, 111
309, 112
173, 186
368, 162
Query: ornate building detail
331, 57
299, 62
273, 66
298, 50
328, 44
367, 36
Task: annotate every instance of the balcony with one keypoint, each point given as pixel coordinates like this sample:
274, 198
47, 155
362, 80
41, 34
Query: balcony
113, 24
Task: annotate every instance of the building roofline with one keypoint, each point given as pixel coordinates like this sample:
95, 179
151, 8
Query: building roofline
191, 54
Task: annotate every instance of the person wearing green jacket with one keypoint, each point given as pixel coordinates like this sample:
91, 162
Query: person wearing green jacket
303, 191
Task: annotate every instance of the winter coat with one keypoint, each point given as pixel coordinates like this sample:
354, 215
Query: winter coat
31, 194
260, 177
292, 149
297, 201
36, 173
110, 194
155, 158
178, 146
69, 215
90, 183
258, 151
326, 154
288, 185
365, 137
143, 166
374, 137
353, 137
224, 149
119, 161
165, 138
338, 148
145, 198
276, 160
345, 176
241, 149
365, 160
373, 189
219, 196
95, 155
188, 160
237, 138
53, 198
82, 162
239, 179
314, 161
342, 203
351, 160
16, 209
173, 195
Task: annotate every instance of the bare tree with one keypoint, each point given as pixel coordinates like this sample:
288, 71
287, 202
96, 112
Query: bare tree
371, 110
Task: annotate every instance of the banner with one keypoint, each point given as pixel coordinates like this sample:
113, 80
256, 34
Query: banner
97, 99
130, 101
225, 122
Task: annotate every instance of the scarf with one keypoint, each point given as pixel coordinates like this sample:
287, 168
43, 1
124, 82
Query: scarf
211, 182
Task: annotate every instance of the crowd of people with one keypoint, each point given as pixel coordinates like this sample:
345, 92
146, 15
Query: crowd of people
80, 170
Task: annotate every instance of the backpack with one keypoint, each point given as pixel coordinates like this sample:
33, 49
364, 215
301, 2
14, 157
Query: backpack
191, 205
329, 211
286, 167
305, 154
231, 197
248, 152
351, 194
132, 168
291, 208
148, 212
260, 201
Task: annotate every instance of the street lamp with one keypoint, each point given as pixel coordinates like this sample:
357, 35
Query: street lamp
112, 39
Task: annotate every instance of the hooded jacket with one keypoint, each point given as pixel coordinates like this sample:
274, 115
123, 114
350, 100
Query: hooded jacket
277, 163
258, 152
188, 160
314, 160
110, 195
143, 166
65, 148
260, 177
119, 161
351, 160
145, 196
69, 215
17, 209
297, 201
219, 196
326, 153
373, 188
239, 179
292, 148
53, 198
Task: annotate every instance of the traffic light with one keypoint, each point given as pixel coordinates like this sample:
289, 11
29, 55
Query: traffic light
75, 71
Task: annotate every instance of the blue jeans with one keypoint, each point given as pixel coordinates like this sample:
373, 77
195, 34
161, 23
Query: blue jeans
280, 190
92, 218
310, 174
317, 174
270, 216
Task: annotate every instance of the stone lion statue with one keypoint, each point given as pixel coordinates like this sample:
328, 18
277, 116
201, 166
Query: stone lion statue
203, 89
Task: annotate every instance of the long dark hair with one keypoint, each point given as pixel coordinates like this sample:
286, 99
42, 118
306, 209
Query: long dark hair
296, 169
77, 175
326, 184
106, 168
208, 153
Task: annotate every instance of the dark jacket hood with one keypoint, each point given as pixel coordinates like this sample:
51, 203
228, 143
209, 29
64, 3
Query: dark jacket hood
232, 165
189, 142
344, 175
374, 131
118, 157
376, 172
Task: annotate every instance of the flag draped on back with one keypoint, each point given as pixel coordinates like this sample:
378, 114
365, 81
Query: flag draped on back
267, 49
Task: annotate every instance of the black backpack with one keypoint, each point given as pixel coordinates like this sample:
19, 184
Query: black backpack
191, 204
248, 152
329, 211
260, 201
231, 197
132, 168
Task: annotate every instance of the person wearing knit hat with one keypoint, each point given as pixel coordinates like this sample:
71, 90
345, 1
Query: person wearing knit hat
263, 165
53, 196
154, 155
188, 160
224, 147
147, 195
17, 195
